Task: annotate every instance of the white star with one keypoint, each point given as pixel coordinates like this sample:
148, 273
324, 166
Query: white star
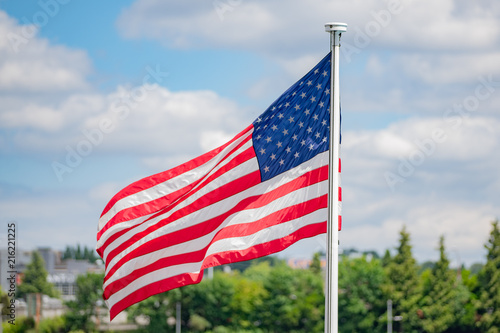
262, 151
288, 149
317, 135
291, 119
309, 129
303, 142
327, 91
323, 122
315, 117
268, 139
258, 137
274, 128
280, 115
294, 137
287, 104
324, 139
303, 95
318, 86
325, 73
297, 107
285, 131
266, 169
321, 104
296, 155
311, 147
309, 83
307, 112
316, 71
301, 124
273, 157
313, 99
258, 120
279, 144
282, 162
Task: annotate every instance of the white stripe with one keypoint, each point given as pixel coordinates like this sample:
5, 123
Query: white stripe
169, 186
213, 210
242, 217
237, 243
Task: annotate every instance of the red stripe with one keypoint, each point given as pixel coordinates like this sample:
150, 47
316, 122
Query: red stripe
240, 230
202, 228
244, 156
166, 175
154, 205
226, 257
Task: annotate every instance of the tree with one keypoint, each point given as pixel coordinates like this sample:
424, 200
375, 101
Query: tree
439, 295
88, 293
35, 279
402, 285
315, 266
488, 306
361, 301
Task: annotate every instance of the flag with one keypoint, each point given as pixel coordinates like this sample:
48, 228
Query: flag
256, 195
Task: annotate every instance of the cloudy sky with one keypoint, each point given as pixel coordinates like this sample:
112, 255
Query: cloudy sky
95, 95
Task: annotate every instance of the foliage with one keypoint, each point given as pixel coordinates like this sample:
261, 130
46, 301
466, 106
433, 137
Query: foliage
22, 325
402, 285
52, 325
488, 305
35, 279
80, 254
444, 299
315, 266
360, 295
88, 293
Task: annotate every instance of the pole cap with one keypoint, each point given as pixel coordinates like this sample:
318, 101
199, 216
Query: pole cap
335, 26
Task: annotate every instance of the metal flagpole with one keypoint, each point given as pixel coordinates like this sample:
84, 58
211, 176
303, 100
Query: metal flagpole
332, 277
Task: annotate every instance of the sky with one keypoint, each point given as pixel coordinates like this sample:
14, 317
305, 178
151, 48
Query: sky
97, 94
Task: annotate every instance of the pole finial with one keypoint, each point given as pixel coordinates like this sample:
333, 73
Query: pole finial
335, 26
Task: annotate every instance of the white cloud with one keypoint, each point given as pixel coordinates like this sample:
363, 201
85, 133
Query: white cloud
34, 65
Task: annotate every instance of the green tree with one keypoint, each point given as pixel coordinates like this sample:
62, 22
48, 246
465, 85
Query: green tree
386, 259
88, 293
440, 302
315, 266
156, 309
403, 285
488, 306
361, 301
35, 279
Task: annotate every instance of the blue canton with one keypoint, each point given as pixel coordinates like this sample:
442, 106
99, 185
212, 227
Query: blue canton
296, 127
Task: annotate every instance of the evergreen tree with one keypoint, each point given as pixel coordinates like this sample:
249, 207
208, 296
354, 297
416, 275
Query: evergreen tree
439, 295
386, 259
402, 286
488, 307
35, 279
315, 266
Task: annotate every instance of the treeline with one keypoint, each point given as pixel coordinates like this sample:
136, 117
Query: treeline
281, 299
80, 253
269, 296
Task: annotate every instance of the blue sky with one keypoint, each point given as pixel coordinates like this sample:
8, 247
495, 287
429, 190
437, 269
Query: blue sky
140, 86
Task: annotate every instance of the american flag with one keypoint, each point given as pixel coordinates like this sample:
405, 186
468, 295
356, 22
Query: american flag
256, 195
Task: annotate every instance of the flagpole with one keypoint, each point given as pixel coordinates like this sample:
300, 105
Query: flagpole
332, 275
